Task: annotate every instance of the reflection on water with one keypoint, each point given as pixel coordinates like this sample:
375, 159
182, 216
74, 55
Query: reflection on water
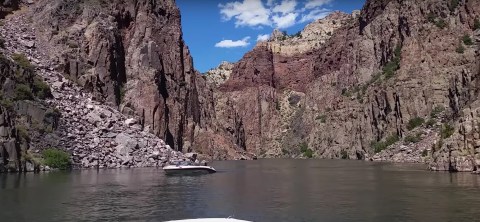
264, 190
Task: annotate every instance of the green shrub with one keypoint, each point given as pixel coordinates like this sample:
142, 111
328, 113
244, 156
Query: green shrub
346, 93
22, 133
391, 67
303, 147
415, 122
344, 154
413, 138
476, 24
441, 23
23, 92
322, 118
436, 111
447, 131
41, 89
392, 139
424, 153
32, 157
378, 146
375, 78
467, 40
22, 61
453, 5
431, 123
360, 98
57, 159
8, 104
308, 153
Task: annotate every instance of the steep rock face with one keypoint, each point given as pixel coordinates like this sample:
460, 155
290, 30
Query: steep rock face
220, 74
313, 36
9, 152
397, 61
130, 54
51, 111
24, 115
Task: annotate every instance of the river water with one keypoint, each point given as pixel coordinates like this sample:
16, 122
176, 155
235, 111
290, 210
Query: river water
261, 191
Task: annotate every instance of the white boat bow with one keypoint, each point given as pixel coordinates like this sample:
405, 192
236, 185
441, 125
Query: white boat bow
210, 220
173, 169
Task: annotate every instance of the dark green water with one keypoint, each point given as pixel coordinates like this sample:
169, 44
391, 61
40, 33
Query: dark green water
262, 191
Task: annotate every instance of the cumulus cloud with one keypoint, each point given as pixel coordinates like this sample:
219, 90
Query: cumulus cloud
246, 13
274, 13
314, 15
316, 3
279, 14
263, 37
287, 6
285, 21
270, 2
233, 44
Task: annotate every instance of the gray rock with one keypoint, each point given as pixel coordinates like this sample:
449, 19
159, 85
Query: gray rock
30, 167
131, 122
93, 117
27, 43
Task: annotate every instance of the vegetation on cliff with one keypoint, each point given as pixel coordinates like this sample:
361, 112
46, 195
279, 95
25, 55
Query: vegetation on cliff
57, 159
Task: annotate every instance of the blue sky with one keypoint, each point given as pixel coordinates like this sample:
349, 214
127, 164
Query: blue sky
224, 30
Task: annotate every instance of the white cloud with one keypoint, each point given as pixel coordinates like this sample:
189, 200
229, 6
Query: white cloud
285, 21
279, 14
270, 2
287, 6
263, 37
315, 14
233, 44
316, 3
246, 13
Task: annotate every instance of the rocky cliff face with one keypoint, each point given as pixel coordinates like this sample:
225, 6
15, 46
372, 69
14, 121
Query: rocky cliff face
131, 55
373, 84
312, 37
220, 74
126, 56
25, 117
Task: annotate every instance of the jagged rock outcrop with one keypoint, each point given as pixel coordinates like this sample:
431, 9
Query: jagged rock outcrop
95, 134
131, 56
220, 74
126, 56
394, 63
24, 115
313, 36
